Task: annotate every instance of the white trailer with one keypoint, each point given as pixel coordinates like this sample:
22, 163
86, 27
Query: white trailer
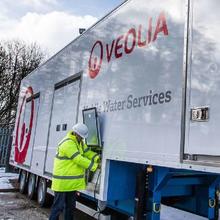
151, 71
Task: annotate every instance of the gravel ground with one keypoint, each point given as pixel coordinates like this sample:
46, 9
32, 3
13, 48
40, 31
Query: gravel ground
15, 206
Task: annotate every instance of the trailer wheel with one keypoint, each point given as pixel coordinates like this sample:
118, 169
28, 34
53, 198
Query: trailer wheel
31, 186
43, 198
23, 182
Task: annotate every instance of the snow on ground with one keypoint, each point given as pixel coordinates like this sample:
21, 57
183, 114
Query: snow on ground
169, 213
5, 180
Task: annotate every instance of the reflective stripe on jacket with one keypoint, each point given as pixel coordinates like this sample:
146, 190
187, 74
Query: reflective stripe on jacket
70, 163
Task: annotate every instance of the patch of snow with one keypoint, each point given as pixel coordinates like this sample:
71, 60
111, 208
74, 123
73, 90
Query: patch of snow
5, 179
168, 213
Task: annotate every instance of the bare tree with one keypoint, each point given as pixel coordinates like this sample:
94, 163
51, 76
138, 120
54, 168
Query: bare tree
17, 60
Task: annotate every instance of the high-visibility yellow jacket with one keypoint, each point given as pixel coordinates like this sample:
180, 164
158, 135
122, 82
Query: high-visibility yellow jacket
70, 163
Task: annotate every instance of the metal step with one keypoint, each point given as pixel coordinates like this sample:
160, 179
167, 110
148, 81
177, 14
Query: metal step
92, 212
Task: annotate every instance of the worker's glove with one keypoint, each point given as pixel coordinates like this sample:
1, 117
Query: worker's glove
97, 158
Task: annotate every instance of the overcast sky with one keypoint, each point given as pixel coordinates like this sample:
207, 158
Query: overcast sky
50, 23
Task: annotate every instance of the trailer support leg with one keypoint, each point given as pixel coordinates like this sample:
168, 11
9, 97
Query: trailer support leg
156, 206
140, 198
213, 200
158, 178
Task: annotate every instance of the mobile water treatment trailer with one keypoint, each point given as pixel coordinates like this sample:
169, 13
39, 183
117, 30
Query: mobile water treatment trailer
146, 81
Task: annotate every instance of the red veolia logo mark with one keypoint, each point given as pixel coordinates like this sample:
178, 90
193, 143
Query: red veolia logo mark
22, 140
95, 62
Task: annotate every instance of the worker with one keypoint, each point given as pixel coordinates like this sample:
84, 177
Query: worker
72, 159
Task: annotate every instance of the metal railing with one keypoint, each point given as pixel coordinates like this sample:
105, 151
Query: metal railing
5, 144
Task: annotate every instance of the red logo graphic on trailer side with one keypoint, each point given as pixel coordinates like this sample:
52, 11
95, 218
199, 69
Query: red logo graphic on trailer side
22, 139
94, 66
125, 44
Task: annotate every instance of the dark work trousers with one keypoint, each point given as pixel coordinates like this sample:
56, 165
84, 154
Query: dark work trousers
63, 202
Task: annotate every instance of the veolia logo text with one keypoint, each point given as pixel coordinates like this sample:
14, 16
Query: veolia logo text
125, 44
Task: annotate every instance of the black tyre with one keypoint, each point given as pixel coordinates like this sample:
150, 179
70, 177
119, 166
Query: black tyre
43, 198
23, 182
31, 186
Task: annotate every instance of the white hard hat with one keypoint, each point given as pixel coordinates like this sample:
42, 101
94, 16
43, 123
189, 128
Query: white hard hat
81, 130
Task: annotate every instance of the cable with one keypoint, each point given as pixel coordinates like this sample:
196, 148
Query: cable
96, 184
